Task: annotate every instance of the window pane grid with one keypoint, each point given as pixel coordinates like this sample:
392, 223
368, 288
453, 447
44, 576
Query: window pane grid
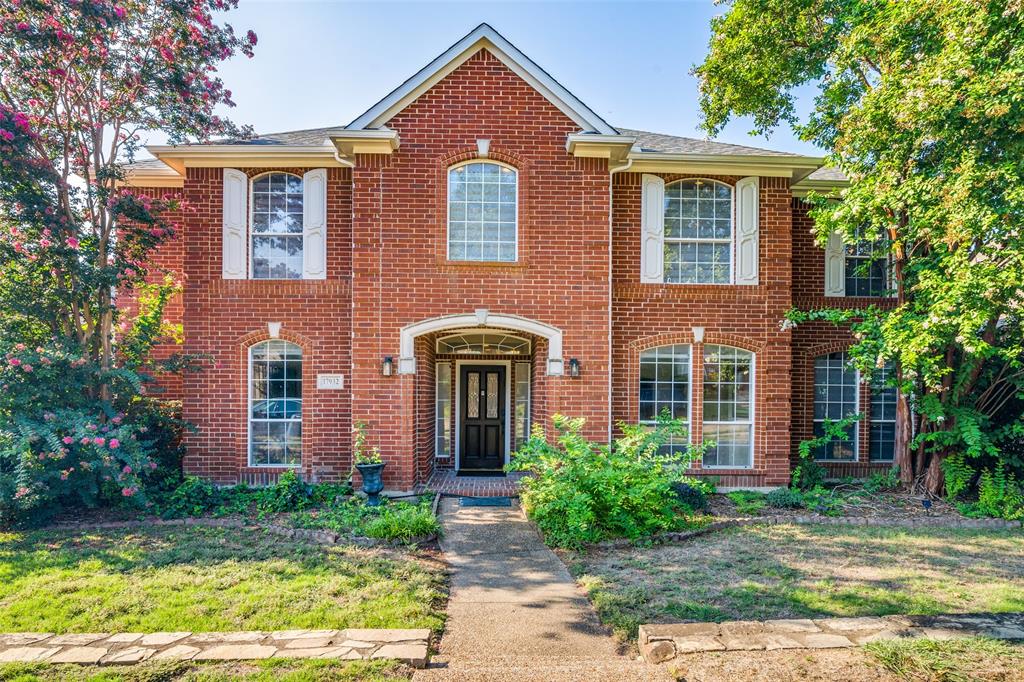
867, 268
276, 226
482, 213
698, 232
882, 439
522, 415
665, 385
275, 404
728, 413
444, 410
835, 397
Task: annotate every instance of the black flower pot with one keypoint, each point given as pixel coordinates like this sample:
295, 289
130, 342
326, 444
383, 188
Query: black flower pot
373, 482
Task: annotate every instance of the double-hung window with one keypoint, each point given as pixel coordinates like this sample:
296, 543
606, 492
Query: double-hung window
882, 438
698, 232
728, 406
276, 226
665, 387
836, 385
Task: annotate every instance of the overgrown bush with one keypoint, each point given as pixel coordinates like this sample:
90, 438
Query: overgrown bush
785, 498
881, 481
392, 520
1000, 495
581, 492
693, 494
808, 473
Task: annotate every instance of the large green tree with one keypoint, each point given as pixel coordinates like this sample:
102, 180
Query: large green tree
921, 104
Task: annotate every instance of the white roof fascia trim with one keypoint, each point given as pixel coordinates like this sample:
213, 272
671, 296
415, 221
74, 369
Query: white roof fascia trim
797, 167
481, 37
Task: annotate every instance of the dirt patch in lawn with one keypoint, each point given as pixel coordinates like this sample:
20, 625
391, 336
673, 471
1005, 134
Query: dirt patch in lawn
851, 501
788, 571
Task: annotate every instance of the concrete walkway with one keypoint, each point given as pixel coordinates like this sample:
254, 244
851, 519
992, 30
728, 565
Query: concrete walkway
515, 614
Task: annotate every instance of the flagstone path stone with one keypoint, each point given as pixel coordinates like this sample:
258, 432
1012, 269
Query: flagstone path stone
126, 648
664, 642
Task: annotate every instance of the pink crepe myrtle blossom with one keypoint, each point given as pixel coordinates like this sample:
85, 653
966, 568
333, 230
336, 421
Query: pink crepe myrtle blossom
114, 444
7, 135
127, 470
71, 242
26, 368
13, 362
99, 441
68, 440
128, 492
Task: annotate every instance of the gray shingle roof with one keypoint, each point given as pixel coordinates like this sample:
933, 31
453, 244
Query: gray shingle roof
673, 144
827, 174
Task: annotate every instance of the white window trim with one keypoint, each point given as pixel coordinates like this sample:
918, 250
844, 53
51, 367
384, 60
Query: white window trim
457, 378
750, 422
872, 420
857, 410
665, 240
248, 416
689, 401
448, 208
437, 416
250, 235
529, 397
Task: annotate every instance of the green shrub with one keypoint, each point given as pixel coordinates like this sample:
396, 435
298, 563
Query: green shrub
785, 498
881, 481
580, 492
808, 473
392, 520
199, 497
1000, 495
692, 495
958, 475
748, 502
822, 501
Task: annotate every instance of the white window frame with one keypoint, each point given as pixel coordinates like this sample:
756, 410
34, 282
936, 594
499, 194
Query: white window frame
873, 419
856, 410
690, 390
862, 259
516, 366
448, 208
447, 400
750, 422
248, 410
252, 235
666, 240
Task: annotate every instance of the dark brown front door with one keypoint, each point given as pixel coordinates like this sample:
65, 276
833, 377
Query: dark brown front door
482, 417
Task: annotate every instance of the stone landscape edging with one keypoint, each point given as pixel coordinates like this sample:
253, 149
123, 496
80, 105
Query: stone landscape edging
410, 646
660, 643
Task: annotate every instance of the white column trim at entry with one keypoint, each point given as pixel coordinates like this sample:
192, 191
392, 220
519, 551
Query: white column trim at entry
480, 318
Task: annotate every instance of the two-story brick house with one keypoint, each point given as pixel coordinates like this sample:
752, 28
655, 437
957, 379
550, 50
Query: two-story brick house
479, 251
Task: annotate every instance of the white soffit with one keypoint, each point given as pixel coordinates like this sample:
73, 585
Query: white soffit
483, 36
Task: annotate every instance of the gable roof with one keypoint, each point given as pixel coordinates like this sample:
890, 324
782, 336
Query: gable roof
482, 37
673, 144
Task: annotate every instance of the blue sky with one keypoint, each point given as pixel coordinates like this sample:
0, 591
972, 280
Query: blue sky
324, 63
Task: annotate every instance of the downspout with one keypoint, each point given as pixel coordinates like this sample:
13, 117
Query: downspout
612, 170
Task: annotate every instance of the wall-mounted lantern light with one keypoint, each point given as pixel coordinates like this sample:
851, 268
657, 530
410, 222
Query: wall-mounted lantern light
387, 367
574, 367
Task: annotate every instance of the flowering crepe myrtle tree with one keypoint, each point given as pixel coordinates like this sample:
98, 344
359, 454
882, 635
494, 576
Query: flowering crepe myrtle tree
79, 81
921, 104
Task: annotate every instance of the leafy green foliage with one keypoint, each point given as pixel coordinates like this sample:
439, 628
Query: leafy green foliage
748, 502
959, 475
822, 500
392, 520
785, 498
881, 481
808, 473
581, 492
199, 497
693, 493
918, 103
360, 453
1000, 495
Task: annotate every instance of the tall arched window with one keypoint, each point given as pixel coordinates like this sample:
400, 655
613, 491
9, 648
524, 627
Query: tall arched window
729, 406
665, 386
482, 212
698, 232
276, 226
275, 404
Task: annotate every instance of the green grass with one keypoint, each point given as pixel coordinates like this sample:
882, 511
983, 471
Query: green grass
960, 660
256, 671
207, 579
763, 572
390, 521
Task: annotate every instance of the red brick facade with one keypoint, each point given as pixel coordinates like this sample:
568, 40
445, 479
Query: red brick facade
577, 271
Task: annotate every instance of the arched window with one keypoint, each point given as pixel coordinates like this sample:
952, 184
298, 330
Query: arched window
275, 404
665, 385
835, 397
276, 231
729, 406
482, 212
698, 232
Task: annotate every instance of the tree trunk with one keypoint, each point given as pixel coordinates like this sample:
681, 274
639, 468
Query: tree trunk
903, 458
935, 480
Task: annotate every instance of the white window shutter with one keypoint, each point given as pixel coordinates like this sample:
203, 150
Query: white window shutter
233, 254
747, 237
835, 266
314, 223
652, 222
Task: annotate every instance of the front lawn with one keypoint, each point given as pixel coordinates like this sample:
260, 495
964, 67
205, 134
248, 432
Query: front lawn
764, 572
183, 671
208, 579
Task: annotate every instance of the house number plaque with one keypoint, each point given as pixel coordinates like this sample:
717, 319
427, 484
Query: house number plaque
330, 382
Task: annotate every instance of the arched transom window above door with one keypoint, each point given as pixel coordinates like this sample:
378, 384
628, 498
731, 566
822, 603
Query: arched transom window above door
483, 343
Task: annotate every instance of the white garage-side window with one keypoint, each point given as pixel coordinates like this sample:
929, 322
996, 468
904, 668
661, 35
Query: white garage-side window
729, 406
698, 232
276, 226
665, 386
275, 404
483, 212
